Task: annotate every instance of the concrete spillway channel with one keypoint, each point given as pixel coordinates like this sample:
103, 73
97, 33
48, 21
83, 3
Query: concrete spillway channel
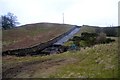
58, 47
52, 46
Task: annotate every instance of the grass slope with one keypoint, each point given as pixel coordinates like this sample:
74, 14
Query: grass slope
88, 29
99, 61
110, 31
32, 34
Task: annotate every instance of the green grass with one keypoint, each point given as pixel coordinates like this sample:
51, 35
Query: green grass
99, 61
69, 43
87, 29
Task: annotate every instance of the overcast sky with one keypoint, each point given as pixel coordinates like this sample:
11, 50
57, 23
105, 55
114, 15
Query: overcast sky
77, 12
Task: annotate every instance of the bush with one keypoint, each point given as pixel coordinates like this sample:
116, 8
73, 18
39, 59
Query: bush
83, 43
76, 43
101, 38
76, 38
89, 39
88, 36
108, 40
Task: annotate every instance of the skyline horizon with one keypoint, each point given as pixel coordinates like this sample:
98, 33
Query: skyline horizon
78, 12
67, 23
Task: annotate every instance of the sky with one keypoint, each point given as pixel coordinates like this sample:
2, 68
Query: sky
77, 12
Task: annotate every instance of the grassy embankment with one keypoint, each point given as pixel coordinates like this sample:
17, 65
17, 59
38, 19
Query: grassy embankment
99, 61
32, 34
87, 29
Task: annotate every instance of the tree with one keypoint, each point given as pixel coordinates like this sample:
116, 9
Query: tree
8, 21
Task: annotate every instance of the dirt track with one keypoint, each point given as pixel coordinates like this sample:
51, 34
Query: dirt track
36, 69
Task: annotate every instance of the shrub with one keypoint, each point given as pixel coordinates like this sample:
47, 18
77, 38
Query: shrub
76, 38
108, 40
101, 38
89, 39
83, 43
76, 43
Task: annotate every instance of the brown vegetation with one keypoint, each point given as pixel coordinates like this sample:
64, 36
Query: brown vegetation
32, 34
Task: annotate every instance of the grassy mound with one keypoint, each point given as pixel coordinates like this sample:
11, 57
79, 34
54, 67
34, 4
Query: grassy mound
32, 34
